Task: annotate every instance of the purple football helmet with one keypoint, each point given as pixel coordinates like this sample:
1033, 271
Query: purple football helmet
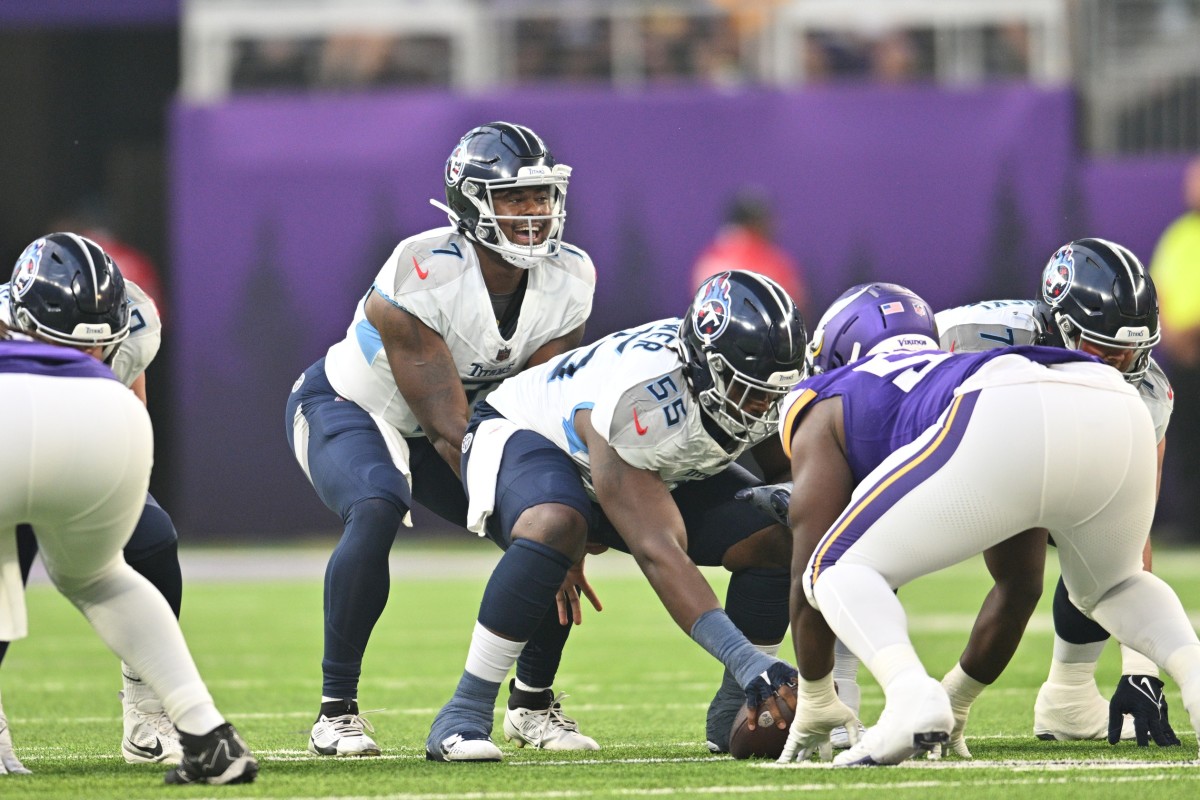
869, 319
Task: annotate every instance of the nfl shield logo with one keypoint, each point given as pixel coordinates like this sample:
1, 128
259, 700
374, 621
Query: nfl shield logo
503, 353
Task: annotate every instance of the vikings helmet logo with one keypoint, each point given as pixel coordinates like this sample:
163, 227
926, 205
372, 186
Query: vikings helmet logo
711, 315
1058, 276
27, 268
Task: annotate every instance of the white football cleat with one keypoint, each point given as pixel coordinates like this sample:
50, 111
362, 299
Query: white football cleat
9, 763
464, 748
839, 737
1071, 713
546, 728
149, 735
917, 720
342, 734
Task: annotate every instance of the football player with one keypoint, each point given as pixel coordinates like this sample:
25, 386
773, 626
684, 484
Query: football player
919, 425
630, 443
377, 423
76, 471
51, 306
1096, 297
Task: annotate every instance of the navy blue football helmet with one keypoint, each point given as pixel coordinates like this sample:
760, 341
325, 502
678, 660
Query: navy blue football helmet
498, 156
744, 343
67, 290
869, 319
1098, 291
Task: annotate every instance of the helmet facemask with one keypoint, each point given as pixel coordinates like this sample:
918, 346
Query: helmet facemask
488, 232
732, 397
1139, 340
490, 159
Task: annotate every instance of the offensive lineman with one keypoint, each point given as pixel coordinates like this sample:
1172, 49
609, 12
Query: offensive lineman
48, 305
630, 443
378, 422
76, 469
1096, 297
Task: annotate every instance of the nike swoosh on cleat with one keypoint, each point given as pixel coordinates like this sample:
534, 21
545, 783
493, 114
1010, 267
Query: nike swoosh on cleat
422, 274
152, 752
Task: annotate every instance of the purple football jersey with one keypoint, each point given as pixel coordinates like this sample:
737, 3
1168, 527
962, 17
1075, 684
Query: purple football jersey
38, 358
889, 400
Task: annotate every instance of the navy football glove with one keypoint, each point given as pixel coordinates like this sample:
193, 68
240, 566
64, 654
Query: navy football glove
771, 499
1141, 696
768, 684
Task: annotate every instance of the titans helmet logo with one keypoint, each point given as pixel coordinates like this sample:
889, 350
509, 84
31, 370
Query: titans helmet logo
454, 166
1058, 276
26, 270
711, 315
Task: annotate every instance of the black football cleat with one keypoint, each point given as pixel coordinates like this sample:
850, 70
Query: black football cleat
218, 757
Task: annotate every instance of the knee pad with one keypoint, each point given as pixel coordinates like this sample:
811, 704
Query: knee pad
1070, 624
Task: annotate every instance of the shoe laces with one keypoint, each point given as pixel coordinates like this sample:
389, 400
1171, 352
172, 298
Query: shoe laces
554, 718
352, 724
161, 723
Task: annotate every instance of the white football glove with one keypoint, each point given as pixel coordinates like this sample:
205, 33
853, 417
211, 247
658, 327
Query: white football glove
818, 712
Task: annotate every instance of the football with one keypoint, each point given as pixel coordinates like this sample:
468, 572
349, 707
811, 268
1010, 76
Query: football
766, 740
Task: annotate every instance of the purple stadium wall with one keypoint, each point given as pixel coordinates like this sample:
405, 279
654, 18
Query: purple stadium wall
283, 210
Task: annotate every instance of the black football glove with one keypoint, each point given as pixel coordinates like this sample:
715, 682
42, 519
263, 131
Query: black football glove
771, 499
1141, 696
767, 684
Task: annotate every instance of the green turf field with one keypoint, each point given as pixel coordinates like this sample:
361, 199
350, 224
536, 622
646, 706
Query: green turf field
637, 684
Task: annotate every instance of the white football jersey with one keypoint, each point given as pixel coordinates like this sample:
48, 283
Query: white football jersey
1000, 323
435, 276
145, 332
633, 382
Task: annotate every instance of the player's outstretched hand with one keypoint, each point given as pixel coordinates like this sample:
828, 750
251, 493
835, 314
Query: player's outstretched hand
771, 499
1141, 696
570, 609
818, 712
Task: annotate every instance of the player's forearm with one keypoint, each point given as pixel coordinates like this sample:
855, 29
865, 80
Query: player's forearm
678, 583
814, 640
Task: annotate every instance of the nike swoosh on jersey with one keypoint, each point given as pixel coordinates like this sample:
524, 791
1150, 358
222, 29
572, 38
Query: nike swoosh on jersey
637, 425
422, 274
